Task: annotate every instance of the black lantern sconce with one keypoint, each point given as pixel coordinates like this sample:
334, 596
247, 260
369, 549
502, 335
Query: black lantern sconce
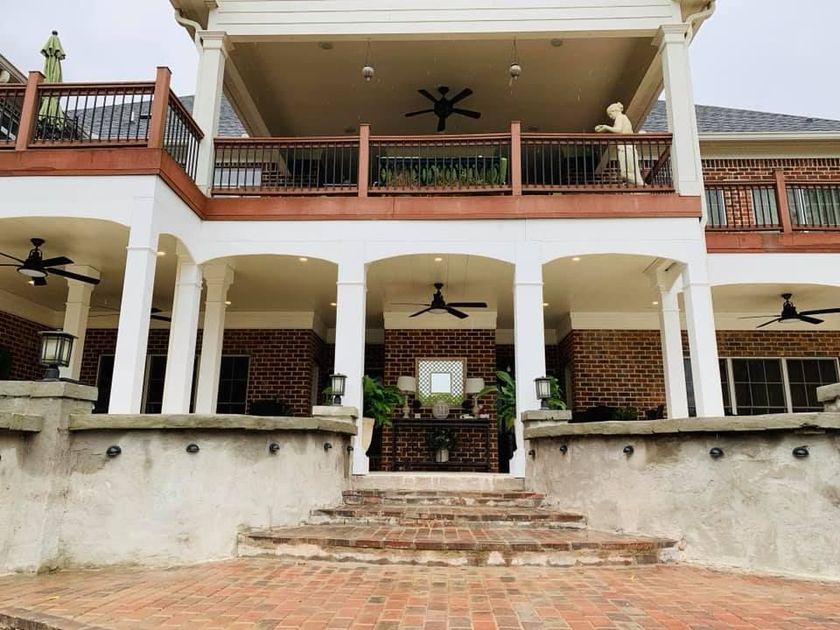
629, 450
273, 448
715, 452
338, 382
801, 452
192, 448
543, 384
327, 446
56, 349
564, 449
113, 451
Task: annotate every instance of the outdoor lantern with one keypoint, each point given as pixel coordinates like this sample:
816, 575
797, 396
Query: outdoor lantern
543, 390
56, 347
337, 383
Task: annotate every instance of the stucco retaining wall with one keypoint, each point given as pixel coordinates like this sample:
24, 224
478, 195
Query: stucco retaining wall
757, 507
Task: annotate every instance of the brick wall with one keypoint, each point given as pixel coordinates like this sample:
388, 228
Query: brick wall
20, 336
506, 359
402, 349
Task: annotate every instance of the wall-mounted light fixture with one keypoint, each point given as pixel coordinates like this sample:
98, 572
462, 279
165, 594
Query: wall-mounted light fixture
56, 348
273, 448
629, 450
327, 446
801, 452
715, 452
532, 453
192, 448
113, 451
338, 383
564, 449
543, 384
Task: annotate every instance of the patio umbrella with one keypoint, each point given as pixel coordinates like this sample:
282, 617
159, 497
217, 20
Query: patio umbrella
50, 111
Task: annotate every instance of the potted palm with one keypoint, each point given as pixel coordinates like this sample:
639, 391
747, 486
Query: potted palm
441, 441
378, 406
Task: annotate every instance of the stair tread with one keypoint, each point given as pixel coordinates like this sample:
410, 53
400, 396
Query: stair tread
510, 494
446, 512
456, 538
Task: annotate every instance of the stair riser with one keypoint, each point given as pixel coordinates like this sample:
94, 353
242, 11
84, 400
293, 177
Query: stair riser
553, 558
319, 519
444, 501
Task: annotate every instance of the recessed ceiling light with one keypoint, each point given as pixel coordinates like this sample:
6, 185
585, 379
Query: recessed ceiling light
303, 259
227, 302
161, 253
655, 303
332, 304
32, 282
576, 259
545, 303
438, 259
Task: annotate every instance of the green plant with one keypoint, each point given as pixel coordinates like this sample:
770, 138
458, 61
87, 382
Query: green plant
380, 401
506, 397
625, 413
438, 439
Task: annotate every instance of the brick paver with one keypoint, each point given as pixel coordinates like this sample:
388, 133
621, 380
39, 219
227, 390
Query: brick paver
266, 593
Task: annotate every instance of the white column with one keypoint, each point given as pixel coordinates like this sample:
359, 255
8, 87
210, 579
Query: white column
218, 278
180, 357
133, 331
670, 333
76, 317
208, 99
700, 322
529, 340
350, 343
679, 103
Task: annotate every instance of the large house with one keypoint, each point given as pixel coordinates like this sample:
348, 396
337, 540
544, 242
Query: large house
337, 162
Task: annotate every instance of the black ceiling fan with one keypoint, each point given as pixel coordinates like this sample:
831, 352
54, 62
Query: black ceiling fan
439, 305
789, 313
155, 313
38, 268
445, 107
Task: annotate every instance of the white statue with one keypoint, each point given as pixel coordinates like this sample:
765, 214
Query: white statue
628, 158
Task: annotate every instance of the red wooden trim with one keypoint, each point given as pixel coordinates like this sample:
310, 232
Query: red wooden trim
175, 103
112, 86
302, 140
160, 106
364, 159
642, 138
755, 242
29, 111
782, 201
516, 158
474, 138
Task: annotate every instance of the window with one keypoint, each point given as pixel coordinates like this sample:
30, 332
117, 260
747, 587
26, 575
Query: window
804, 376
759, 386
765, 211
155, 375
724, 384
716, 205
815, 206
233, 384
104, 374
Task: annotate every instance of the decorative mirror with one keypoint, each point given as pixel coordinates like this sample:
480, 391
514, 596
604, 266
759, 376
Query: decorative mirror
441, 380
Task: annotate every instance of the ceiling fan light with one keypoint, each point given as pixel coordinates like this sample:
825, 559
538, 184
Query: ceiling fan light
32, 272
438, 311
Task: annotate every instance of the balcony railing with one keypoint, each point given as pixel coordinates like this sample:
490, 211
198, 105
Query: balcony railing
99, 115
481, 164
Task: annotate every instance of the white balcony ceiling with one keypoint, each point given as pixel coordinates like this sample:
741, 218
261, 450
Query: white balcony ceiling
302, 89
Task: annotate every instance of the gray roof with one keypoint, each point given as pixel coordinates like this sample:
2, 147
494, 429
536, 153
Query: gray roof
712, 119
229, 125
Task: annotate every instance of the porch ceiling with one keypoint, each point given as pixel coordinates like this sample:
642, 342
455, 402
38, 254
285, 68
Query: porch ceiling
300, 88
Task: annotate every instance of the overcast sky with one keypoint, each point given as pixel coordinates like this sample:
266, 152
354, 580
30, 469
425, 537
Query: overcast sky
769, 55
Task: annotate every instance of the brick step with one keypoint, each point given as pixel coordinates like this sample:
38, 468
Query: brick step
453, 481
447, 516
443, 498
511, 546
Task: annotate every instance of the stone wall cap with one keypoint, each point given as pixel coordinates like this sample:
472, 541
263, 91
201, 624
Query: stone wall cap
47, 389
219, 422
828, 393
562, 415
334, 411
819, 421
28, 423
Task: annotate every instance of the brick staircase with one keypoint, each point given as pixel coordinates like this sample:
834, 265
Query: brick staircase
430, 526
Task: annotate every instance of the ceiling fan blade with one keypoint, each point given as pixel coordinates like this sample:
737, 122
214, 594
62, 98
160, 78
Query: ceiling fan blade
441, 124
820, 311
428, 95
73, 276
468, 304
466, 112
425, 310
10, 265
418, 112
456, 312
407, 304
772, 321
810, 320
757, 316
39, 282
161, 318
12, 257
58, 261
460, 96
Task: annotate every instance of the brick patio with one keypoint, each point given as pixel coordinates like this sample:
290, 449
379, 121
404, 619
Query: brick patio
263, 593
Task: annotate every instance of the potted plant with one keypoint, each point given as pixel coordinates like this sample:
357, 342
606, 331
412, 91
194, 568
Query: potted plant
441, 441
378, 405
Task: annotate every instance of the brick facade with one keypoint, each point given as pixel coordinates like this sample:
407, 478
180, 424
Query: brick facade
506, 359
478, 347
21, 339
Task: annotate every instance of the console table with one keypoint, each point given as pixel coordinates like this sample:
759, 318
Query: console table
473, 452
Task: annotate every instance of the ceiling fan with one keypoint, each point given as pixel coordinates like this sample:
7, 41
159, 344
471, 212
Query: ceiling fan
38, 268
789, 313
445, 107
155, 313
440, 306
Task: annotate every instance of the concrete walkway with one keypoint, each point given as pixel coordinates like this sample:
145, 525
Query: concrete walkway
266, 593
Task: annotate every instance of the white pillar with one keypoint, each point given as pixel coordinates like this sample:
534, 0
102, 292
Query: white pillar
350, 343
76, 317
218, 278
133, 331
700, 322
208, 99
180, 357
679, 103
529, 340
670, 333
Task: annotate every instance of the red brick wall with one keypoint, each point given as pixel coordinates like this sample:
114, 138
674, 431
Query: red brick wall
21, 338
403, 348
776, 343
281, 363
505, 358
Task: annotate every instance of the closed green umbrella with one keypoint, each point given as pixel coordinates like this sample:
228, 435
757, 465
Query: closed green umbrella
53, 54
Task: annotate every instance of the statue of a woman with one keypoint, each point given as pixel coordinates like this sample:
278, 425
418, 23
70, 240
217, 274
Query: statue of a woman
628, 158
